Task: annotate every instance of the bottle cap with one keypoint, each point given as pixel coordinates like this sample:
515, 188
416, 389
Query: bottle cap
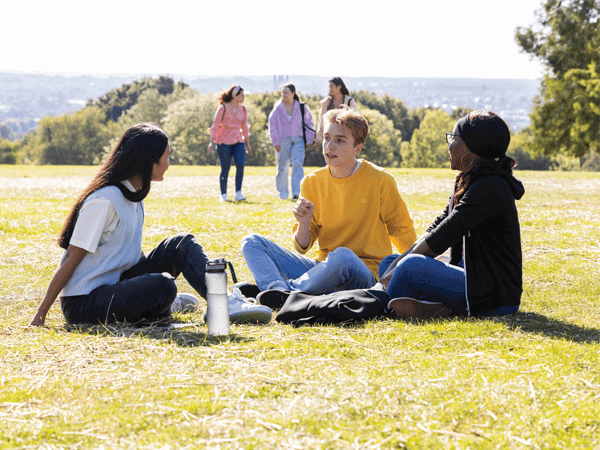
216, 265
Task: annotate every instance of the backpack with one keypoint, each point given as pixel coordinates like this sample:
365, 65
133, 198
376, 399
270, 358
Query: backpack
304, 126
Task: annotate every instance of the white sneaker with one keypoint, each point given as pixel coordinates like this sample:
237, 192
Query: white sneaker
184, 303
223, 197
239, 196
242, 310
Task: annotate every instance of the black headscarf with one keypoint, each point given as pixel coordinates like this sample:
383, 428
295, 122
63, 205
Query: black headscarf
488, 137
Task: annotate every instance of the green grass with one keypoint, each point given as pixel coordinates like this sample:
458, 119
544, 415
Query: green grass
532, 381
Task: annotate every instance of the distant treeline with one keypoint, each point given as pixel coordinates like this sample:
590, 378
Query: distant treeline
399, 137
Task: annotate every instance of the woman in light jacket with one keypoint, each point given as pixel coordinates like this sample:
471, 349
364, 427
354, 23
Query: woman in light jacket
481, 227
230, 134
338, 97
290, 135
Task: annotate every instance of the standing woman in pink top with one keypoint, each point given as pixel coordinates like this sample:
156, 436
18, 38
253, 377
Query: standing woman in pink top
230, 134
337, 98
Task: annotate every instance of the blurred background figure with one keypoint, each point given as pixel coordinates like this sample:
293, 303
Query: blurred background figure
229, 135
291, 128
338, 95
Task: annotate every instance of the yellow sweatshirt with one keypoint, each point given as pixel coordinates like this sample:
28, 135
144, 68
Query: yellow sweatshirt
361, 212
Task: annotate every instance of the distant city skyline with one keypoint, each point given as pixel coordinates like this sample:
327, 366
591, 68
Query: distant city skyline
462, 39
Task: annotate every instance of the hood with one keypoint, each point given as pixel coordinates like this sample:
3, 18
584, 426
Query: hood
516, 187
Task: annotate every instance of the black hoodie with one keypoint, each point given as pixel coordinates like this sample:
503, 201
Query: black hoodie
486, 223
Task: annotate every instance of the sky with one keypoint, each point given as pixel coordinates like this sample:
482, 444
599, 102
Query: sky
382, 38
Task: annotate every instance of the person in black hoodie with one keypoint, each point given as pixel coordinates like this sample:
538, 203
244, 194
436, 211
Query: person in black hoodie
481, 227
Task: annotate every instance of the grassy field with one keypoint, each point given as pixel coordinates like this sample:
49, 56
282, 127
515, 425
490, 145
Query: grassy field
530, 381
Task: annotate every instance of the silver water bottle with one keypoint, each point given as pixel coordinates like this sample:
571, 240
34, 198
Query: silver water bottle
217, 314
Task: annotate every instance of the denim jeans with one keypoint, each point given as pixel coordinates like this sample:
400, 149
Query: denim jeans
274, 267
425, 278
147, 289
225, 153
292, 149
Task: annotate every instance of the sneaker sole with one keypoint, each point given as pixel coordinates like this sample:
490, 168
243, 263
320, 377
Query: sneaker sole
272, 299
251, 317
248, 289
409, 308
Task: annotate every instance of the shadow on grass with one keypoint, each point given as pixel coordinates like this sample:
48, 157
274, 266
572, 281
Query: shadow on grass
532, 322
529, 322
182, 334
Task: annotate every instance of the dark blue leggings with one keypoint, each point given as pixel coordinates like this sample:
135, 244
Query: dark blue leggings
225, 153
147, 289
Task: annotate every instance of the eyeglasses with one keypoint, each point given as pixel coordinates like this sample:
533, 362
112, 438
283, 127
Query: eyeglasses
450, 137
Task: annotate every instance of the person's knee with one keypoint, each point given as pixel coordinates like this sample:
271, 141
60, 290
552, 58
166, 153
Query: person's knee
183, 237
385, 264
341, 254
251, 241
342, 258
161, 286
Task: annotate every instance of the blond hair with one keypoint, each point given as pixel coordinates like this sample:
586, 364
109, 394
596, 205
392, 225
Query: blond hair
352, 120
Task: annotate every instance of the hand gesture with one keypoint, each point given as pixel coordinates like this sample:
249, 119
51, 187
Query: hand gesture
210, 147
304, 210
278, 148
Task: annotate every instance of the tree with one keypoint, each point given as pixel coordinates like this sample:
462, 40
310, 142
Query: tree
404, 120
119, 100
519, 149
186, 122
428, 147
76, 138
8, 151
382, 146
566, 38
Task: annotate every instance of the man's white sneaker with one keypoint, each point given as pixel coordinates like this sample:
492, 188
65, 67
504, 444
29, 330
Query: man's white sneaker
223, 197
242, 310
239, 196
184, 303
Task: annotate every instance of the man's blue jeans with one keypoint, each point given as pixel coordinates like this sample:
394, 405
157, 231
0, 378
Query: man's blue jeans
274, 267
424, 278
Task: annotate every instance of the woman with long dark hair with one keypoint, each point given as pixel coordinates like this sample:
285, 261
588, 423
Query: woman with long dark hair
338, 97
291, 129
103, 275
229, 135
481, 227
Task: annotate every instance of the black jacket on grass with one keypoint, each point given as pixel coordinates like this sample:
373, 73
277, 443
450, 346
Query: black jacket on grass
486, 224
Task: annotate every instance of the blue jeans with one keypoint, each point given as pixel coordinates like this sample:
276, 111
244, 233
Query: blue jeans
225, 152
292, 149
274, 267
425, 278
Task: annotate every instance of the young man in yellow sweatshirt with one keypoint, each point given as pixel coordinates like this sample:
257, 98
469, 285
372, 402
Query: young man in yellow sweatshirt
351, 207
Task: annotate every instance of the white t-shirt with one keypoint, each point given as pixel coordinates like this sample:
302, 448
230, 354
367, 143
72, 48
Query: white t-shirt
96, 222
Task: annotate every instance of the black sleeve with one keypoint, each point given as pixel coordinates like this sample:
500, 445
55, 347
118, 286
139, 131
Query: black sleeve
439, 219
484, 199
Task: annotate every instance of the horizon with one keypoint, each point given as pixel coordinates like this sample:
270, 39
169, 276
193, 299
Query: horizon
194, 76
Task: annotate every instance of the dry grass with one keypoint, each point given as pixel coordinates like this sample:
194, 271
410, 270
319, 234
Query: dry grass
527, 382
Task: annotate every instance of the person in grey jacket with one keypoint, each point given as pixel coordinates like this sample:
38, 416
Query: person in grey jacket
481, 227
